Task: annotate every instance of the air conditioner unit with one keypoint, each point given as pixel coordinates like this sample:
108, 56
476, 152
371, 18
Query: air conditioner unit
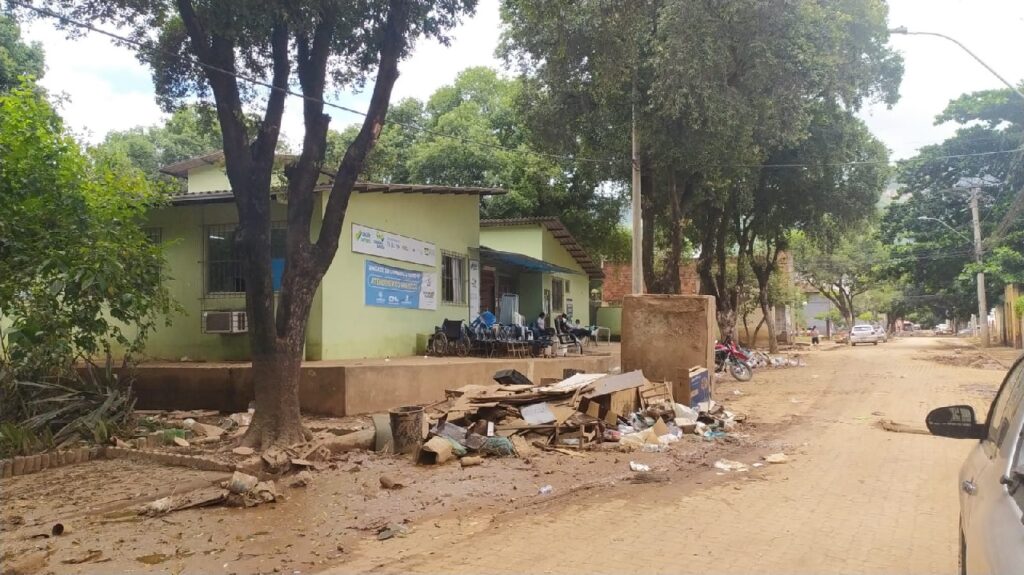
225, 322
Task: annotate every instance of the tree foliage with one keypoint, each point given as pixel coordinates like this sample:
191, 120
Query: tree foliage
929, 223
474, 132
190, 131
210, 51
79, 276
17, 58
718, 90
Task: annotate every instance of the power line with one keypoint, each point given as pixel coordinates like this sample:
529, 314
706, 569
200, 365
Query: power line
288, 92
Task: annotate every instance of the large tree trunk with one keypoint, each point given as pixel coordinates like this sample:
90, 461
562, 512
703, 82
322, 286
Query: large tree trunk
648, 204
769, 317
277, 418
277, 332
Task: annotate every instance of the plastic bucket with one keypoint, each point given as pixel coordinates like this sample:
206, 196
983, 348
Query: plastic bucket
407, 428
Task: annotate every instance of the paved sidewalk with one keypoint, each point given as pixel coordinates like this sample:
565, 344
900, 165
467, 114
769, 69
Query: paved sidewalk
854, 498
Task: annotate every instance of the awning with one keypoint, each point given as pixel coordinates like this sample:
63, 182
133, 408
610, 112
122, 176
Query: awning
520, 261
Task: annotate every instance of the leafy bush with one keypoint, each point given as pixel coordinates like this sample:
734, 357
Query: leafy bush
79, 279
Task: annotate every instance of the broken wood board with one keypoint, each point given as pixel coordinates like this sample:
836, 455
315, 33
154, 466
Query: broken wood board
572, 383
655, 392
538, 413
611, 384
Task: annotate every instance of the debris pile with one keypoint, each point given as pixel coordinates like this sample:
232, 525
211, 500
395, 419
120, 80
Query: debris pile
583, 411
760, 359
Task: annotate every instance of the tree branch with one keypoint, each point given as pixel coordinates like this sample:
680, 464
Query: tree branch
352, 163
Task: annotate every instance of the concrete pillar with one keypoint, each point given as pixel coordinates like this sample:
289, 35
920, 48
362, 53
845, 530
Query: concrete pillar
666, 335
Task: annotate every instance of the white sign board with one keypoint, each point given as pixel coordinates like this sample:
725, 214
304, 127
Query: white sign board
428, 291
373, 242
474, 289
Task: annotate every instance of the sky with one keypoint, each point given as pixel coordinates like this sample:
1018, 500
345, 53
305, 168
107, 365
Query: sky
108, 89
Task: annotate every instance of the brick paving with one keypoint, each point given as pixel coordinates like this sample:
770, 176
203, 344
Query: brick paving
853, 499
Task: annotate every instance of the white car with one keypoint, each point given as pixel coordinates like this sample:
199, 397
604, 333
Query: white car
991, 480
883, 336
863, 334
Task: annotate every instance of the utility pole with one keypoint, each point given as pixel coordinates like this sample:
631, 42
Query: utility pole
638, 249
982, 300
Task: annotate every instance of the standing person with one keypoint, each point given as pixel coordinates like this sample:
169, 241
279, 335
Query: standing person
815, 339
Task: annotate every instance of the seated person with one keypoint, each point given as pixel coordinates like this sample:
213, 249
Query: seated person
581, 332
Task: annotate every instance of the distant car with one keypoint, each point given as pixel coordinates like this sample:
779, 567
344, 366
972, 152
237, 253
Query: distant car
943, 329
863, 334
992, 478
883, 336
965, 332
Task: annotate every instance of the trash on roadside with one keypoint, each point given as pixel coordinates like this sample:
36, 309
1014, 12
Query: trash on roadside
729, 465
546, 490
776, 458
634, 466
389, 482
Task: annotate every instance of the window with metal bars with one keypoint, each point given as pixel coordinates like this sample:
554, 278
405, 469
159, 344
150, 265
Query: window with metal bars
453, 278
224, 265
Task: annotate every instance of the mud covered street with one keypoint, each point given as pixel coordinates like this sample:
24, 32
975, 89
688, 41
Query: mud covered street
851, 497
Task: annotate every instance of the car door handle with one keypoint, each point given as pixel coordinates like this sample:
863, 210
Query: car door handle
968, 487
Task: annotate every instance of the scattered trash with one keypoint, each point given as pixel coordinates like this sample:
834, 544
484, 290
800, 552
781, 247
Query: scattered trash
729, 465
241, 483
435, 451
737, 392
890, 425
776, 458
301, 479
471, 460
90, 555
388, 482
180, 442
639, 466
392, 530
243, 451
546, 490
758, 464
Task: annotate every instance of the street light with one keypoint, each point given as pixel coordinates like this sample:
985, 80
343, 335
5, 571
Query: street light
903, 30
951, 228
982, 299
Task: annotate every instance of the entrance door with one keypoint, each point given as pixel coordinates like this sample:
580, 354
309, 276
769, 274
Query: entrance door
487, 294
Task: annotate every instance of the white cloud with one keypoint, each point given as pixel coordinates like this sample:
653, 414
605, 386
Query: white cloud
938, 71
107, 88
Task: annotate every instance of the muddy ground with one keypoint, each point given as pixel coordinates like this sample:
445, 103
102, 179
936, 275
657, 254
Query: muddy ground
345, 507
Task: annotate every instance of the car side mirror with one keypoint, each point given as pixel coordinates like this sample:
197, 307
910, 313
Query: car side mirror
956, 421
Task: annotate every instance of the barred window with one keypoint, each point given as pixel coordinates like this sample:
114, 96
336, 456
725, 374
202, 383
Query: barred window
154, 235
224, 265
453, 278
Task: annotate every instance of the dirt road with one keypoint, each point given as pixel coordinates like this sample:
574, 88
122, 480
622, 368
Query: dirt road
852, 499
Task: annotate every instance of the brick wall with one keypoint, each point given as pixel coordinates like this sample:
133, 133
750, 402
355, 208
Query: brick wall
618, 281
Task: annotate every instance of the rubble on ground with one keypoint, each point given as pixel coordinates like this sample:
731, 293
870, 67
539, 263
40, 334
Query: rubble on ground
760, 359
581, 412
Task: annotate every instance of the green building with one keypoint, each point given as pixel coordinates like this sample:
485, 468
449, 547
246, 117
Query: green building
409, 257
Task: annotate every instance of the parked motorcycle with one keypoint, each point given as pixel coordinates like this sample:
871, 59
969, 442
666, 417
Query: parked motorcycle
730, 357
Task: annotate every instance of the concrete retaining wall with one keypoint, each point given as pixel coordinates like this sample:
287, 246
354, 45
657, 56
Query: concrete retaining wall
337, 390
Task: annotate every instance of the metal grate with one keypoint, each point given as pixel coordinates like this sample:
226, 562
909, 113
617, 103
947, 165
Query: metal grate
223, 265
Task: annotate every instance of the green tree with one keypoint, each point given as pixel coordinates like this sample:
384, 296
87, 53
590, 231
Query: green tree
929, 225
842, 268
191, 131
716, 87
17, 58
78, 274
201, 49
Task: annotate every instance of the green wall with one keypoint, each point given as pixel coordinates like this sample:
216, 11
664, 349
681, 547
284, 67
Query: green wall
525, 239
535, 241
611, 318
352, 329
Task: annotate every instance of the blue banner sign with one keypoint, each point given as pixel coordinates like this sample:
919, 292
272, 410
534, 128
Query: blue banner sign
388, 286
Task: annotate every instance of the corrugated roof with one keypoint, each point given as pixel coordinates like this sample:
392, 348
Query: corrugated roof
560, 232
522, 261
218, 196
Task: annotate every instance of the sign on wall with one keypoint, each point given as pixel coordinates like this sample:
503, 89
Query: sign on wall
387, 286
374, 242
474, 288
